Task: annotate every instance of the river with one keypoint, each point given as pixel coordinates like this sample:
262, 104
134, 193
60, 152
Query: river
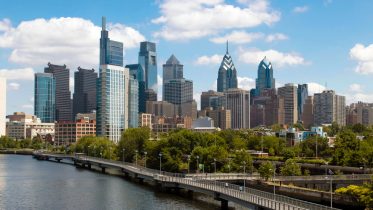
26, 183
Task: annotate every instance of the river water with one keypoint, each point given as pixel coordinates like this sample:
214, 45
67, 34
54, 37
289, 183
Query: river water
26, 183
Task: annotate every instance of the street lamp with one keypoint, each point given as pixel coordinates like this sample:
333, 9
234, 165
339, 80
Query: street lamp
123, 154
188, 164
136, 151
215, 164
197, 163
160, 163
145, 153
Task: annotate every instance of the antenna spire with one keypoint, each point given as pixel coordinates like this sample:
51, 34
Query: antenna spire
103, 23
227, 47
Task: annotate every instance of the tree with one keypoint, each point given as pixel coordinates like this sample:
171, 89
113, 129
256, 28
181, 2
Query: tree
363, 194
291, 168
132, 140
347, 150
266, 170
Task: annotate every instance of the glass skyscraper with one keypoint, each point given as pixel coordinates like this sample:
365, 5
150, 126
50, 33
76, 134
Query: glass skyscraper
44, 98
302, 96
133, 103
137, 72
84, 100
265, 78
172, 70
227, 76
111, 52
112, 101
148, 62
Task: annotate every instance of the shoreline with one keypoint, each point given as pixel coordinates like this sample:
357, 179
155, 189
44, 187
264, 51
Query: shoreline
17, 151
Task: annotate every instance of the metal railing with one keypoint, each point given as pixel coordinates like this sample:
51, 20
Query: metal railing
322, 177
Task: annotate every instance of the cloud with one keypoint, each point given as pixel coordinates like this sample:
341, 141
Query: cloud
197, 98
237, 37
184, 20
355, 88
160, 87
357, 93
314, 87
13, 86
209, 60
276, 37
27, 106
279, 59
245, 83
64, 40
17, 74
364, 56
301, 9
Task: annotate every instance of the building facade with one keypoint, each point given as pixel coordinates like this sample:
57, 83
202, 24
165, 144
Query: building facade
61, 75
238, 101
138, 74
84, 97
307, 114
227, 75
212, 99
221, 116
148, 62
44, 97
302, 97
265, 78
172, 69
112, 101
133, 103
111, 52
178, 91
67, 133
290, 94
2, 106
329, 108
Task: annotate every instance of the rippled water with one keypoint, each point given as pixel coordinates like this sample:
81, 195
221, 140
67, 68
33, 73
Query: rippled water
26, 183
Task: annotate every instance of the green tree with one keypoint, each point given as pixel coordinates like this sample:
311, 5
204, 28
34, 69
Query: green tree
132, 140
290, 168
266, 170
363, 194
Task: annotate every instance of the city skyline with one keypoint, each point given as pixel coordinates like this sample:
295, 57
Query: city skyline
279, 35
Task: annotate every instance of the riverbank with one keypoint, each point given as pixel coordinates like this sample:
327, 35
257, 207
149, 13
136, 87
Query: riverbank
17, 151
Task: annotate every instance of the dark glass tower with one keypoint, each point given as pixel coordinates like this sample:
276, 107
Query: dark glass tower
227, 76
63, 94
172, 70
265, 78
178, 91
84, 99
148, 62
302, 96
111, 52
45, 92
137, 72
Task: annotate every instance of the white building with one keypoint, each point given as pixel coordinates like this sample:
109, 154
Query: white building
2, 106
238, 101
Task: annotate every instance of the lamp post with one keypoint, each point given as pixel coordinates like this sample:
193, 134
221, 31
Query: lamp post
145, 153
136, 156
123, 154
316, 146
197, 163
188, 164
244, 172
215, 164
160, 163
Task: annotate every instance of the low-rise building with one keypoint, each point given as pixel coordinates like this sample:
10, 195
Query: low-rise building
70, 132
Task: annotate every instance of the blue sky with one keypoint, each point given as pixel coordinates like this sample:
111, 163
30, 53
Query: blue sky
325, 42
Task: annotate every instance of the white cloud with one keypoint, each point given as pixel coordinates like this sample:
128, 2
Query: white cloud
27, 106
364, 56
355, 88
72, 84
17, 74
160, 87
237, 37
301, 9
13, 86
197, 98
245, 83
209, 60
314, 87
183, 20
71, 41
276, 37
279, 59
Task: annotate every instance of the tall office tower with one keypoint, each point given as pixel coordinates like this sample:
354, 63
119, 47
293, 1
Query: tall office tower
112, 101
227, 75
302, 97
307, 114
178, 91
212, 99
238, 101
290, 95
63, 94
111, 52
160, 108
329, 108
351, 114
148, 62
84, 97
364, 113
2, 106
45, 97
133, 103
138, 73
265, 78
172, 70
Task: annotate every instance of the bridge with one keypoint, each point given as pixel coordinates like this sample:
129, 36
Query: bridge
209, 185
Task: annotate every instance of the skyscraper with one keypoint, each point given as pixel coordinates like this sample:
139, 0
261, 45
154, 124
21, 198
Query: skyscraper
172, 70
212, 99
227, 76
112, 101
307, 114
238, 101
2, 106
44, 98
111, 52
148, 62
329, 108
137, 72
302, 96
84, 98
133, 103
178, 91
290, 95
265, 78
63, 94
